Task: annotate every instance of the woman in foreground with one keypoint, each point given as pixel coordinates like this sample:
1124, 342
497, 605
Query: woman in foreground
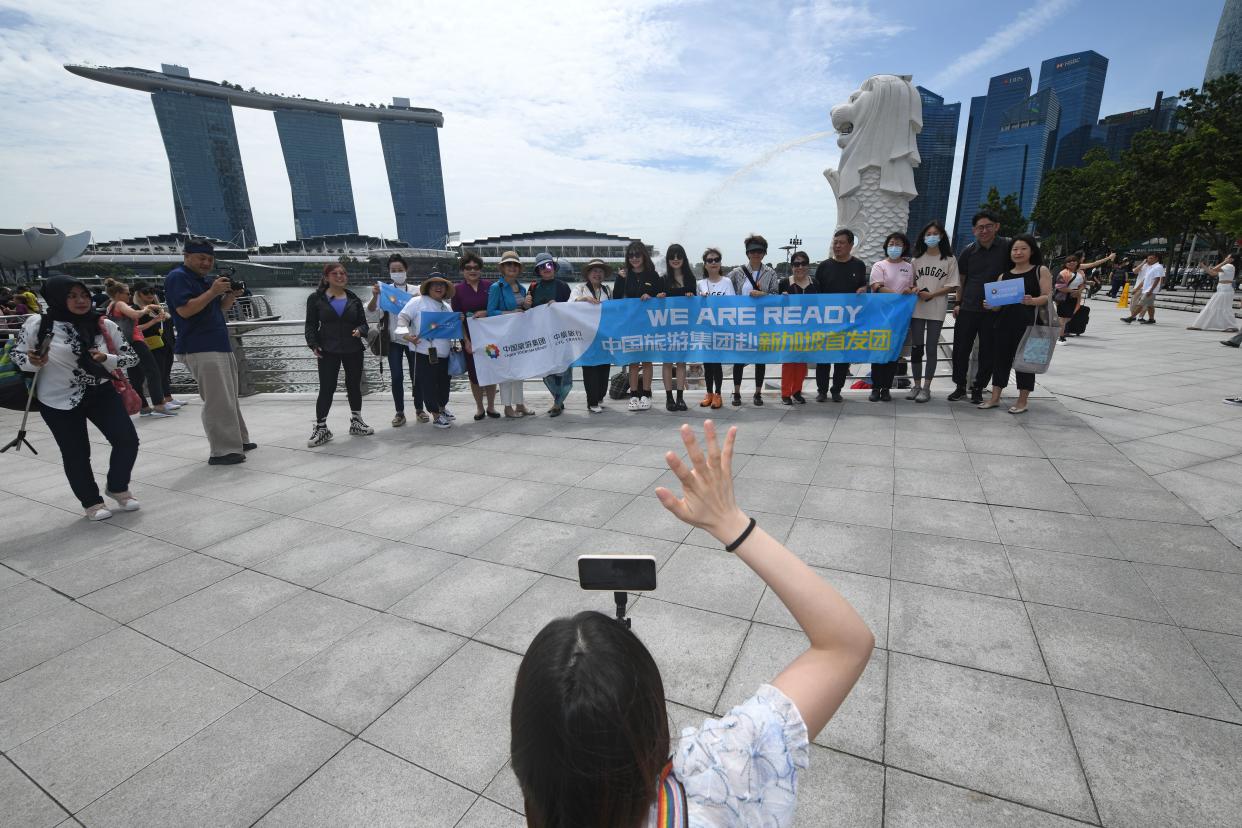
589, 730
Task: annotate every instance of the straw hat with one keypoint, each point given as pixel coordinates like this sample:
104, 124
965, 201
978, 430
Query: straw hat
435, 279
600, 263
510, 256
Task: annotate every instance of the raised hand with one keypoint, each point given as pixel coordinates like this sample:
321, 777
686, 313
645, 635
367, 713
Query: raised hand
707, 485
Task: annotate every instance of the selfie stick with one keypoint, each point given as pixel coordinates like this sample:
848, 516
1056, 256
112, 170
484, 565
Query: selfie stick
619, 597
16, 442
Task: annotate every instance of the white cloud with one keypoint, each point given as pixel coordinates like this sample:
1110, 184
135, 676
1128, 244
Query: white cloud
606, 116
1024, 26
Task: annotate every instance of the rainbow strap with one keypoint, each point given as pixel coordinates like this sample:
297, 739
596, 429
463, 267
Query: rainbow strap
670, 801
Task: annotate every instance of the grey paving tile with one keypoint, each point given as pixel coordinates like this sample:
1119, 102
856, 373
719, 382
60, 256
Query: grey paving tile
1198, 547
464, 597
458, 488
853, 548
10, 577
272, 538
710, 579
219, 523
40, 637
89, 754
847, 506
693, 649
789, 447
523, 497
350, 506
1117, 474
999, 735
1223, 654
231, 772
775, 470
1150, 767
403, 521
1084, 582
464, 532
838, 454
647, 517
1154, 459
487, 814
761, 496
196, 619
857, 478
918, 802
26, 600
533, 544
1202, 600
964, 628
943, 484
363, 785
504, 789
388, 576
973, 566
583, 507
275, 643
61, 540
932, 459
868, 595
157, 587
849, 789
451, 724
355, 680
1165, 508
306, 494
857, 727
116, 564
25, 806
1134, 660
1083, 534
624, 479
947, 518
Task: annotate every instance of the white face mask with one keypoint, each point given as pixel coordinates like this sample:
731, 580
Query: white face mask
398, 277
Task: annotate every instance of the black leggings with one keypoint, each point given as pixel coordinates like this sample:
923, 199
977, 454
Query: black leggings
329, 370
434, 380
595, 379
164, 359
760, 368
713, 375
102, 406
149, 370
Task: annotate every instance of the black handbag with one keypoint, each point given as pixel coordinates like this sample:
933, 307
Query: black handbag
619, 386
378, 338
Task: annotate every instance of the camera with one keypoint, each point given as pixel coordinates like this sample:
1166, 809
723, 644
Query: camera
234, 284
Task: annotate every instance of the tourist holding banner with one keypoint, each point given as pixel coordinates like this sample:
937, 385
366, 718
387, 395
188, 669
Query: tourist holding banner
399, 356
892, 274
753, 279
431, 353
638, 280
935, 277
793, 374
713, 283
592, 289
470, 300
678, 281
1009, 323
508, 296
840, 274
547, 288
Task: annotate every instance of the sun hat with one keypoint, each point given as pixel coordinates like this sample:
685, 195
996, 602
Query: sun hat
545, 258
510, 256
436, 278
756, 246
600, 263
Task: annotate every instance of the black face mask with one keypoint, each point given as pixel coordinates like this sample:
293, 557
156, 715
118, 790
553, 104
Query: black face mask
85, 325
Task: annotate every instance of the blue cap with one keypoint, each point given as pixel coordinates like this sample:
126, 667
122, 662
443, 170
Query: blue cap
199, 246
544, 258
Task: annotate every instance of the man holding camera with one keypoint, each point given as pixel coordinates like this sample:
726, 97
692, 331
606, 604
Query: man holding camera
198, 305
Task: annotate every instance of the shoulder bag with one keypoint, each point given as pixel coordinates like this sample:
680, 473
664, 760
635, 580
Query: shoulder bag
1035, 350
129, 397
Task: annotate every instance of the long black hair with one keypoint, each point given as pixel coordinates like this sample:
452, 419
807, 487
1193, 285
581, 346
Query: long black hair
638, 247
687, 272
589, 730
1037, 258
945, 247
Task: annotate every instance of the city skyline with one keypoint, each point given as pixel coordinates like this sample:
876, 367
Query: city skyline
564, 135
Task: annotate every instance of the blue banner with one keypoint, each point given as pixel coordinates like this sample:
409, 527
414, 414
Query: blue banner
437, 325
392, 299
736, 329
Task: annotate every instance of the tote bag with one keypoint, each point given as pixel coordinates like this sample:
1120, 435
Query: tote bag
1035, 350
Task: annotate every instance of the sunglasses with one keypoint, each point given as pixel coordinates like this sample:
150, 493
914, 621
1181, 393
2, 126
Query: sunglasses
713, 260
547, 266
801, 264
472, 267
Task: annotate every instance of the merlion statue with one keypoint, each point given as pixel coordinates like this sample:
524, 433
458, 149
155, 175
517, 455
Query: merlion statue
874, 182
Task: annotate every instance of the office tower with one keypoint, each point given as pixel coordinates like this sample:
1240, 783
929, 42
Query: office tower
313, 144
1226, 54
209, 184
412, 156
1115, 133
1004, 92
961, 217
934, 175
1079, 83
1023, 150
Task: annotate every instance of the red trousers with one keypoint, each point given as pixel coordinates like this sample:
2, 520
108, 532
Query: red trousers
792, 376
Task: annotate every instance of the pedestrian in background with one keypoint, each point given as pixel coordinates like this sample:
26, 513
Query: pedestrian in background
1146, 285
147, 371
156, 327
336, 332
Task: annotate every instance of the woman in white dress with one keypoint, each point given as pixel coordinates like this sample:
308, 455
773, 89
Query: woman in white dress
1217, 315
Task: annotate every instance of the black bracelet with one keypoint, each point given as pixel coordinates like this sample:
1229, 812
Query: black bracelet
742, 537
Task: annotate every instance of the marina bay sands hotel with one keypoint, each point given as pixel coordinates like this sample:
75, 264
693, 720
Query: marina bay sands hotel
209, 184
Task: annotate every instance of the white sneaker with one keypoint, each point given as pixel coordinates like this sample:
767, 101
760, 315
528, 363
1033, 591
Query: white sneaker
448, 415
595, 409
158, 415
319, 435
180, 403
633, 404
644, 403
442, 422
172, 406
125, 500
1232, 400
99, 512
358, 428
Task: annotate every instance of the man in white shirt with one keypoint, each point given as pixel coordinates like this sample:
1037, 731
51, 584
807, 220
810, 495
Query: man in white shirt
1146, 286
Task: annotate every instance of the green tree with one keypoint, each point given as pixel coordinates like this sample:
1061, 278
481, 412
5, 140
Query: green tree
1080, 207
1224, 210
1013, 223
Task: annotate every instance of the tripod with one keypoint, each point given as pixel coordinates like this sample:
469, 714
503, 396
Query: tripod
20, 439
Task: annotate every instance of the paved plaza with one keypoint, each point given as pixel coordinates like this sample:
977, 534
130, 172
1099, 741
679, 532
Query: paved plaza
329, 637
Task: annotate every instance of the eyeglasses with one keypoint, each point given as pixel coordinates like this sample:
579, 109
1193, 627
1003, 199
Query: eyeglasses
676, 259
801, 264
472, 267
547, 266
635, 256
985, 227
714, 260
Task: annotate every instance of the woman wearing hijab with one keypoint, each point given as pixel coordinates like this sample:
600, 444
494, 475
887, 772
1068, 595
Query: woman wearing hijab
76, 351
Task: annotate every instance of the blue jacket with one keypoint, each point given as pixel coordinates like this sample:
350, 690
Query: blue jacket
500, 297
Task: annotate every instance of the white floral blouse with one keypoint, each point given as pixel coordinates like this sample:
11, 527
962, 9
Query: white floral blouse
63, 382
742, 770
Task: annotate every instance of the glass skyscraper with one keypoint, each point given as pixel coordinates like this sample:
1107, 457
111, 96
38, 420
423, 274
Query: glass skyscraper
412, 156
1004, 92
209, 184
1226, 55
1079, 83
973, 121
314, 147
933, 176
1023, 150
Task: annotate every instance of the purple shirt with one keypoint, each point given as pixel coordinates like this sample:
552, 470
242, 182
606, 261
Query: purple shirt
470, 300
338, 305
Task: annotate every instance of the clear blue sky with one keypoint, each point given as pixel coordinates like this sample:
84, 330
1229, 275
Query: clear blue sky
628, 117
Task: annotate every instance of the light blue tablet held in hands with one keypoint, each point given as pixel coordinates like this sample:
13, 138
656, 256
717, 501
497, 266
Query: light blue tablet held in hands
1005, 292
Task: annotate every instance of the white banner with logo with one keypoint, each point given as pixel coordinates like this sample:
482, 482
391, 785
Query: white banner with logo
542, 341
